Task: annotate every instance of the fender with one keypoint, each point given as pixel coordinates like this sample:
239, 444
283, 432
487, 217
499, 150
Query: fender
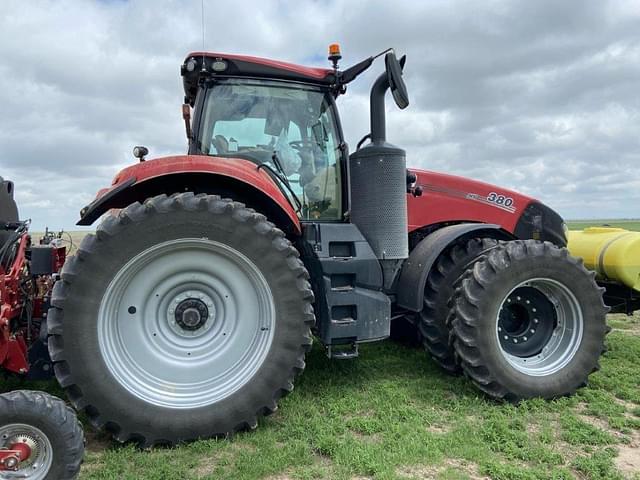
413, 276
199, 172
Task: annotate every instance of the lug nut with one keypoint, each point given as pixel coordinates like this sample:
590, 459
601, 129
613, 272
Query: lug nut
535, 320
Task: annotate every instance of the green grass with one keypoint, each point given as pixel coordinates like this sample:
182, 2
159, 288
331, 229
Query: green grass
621, 223
392, 414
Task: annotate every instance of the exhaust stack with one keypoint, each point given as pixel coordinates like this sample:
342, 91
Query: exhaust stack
378, 174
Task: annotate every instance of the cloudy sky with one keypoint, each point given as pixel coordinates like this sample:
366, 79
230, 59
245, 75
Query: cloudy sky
542, 97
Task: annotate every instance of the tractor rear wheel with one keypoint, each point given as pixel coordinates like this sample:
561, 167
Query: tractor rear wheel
529, 321
184, 317
46, 431
434, 319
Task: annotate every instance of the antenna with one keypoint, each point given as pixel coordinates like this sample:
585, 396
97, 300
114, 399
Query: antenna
202, 11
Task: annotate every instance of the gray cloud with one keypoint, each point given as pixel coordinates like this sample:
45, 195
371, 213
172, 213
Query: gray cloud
536, 96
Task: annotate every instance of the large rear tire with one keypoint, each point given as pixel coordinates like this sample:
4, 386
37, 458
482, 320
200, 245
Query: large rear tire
184, 317
49, 431
529, 321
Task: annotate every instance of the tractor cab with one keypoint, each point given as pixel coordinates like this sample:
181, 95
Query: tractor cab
282, 117
278, 115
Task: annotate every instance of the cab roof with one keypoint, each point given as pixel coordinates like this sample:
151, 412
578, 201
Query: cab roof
229, 65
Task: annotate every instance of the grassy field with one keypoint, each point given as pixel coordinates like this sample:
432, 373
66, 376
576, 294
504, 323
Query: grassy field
624, 223
392, 414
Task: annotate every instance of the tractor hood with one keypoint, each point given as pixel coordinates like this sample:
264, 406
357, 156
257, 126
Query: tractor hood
450, 199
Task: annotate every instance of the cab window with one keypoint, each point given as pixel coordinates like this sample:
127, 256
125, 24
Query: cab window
290, 128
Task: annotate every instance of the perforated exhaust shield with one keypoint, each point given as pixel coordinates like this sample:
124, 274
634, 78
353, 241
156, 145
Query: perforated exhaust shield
379, 198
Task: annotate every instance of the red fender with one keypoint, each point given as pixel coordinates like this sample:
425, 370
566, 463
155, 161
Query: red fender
234, 168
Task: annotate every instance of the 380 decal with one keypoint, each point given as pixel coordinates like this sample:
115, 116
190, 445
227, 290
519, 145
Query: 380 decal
493, 197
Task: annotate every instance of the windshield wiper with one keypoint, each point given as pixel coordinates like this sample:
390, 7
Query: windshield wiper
280, 174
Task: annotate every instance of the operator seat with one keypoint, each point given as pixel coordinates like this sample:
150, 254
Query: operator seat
220, 143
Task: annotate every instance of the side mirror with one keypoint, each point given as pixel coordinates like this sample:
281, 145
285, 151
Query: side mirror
394, 77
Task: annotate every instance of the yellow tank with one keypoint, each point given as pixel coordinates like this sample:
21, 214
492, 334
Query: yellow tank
613, 253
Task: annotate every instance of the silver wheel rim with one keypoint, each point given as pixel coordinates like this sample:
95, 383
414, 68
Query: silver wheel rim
181, 365
565, 335
38, 464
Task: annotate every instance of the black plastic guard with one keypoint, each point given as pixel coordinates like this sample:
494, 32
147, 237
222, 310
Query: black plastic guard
413, 276
95, 209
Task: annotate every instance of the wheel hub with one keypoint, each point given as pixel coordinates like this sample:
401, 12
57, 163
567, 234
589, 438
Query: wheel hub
526, 322
539, 326
191, 314
34, 447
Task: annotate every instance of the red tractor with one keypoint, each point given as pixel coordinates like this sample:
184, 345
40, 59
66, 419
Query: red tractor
40, 436
189, 312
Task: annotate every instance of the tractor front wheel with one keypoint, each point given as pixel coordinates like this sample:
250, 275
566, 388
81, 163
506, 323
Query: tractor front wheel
184, 317
529, 321
434, 321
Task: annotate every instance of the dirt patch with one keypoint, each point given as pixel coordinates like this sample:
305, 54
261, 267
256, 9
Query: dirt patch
206, 466
533, 429
438, 429
424, 472
603, 425
209, 461
630, 406
419, 472
97, 442
364, 437
628, 459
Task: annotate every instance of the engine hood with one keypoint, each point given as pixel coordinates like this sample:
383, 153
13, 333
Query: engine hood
450, 199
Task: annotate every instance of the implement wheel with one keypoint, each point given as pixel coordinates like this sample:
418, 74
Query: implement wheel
45, 432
